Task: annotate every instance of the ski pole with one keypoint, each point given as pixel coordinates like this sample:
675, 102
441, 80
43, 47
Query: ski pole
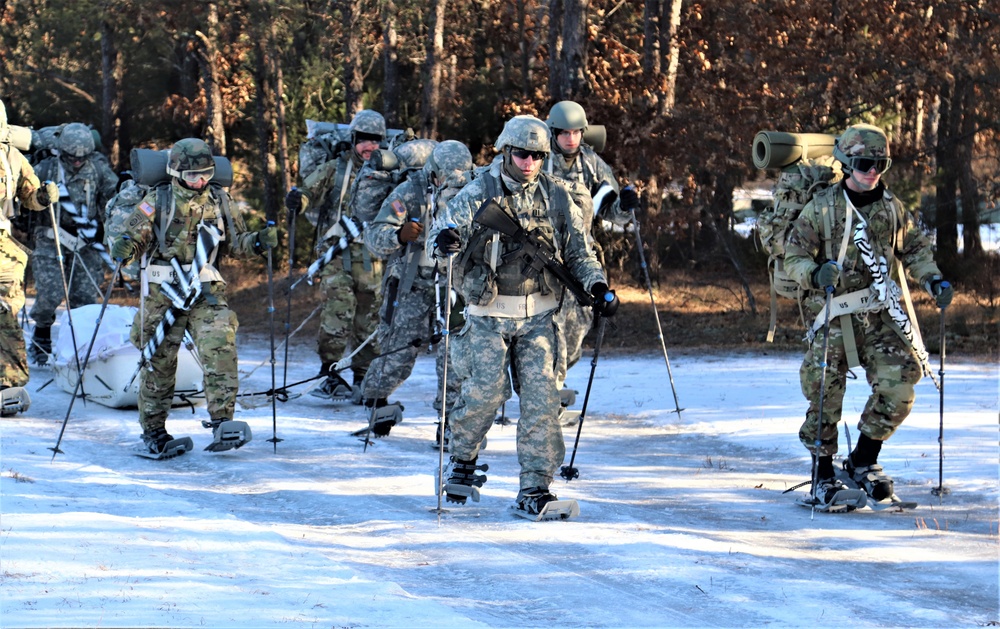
568, 471
65, 287
941, 490
270, 316
292, 219
822, 394
443, 416
656, 312
79, 384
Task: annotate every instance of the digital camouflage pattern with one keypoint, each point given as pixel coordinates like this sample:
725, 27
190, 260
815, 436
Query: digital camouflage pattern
526, 132
211, 323
529, 344
368, 121
117, 212
891, 367
76, 140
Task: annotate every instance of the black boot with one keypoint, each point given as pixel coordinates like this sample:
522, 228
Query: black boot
41, 345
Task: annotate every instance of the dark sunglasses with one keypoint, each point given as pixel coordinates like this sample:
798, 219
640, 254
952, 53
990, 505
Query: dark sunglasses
525, 154
865, 164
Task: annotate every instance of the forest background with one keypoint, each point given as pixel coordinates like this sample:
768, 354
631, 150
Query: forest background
682, 87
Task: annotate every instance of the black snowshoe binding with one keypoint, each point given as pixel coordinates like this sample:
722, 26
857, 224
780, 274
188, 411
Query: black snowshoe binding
833, 496
385, 416
41, 346
538, 503
334, 387
447, 435
160, 445
463, 482
871, 479
227, 435
13, 400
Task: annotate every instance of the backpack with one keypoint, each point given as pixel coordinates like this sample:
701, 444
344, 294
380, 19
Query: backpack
796, 186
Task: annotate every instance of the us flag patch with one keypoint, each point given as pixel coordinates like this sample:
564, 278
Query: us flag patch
146, 208
398, 208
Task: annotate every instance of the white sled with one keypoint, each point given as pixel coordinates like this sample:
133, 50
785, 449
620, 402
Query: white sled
114, 359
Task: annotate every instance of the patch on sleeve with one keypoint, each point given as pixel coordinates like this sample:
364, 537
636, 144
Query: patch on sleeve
146, 208
398, 208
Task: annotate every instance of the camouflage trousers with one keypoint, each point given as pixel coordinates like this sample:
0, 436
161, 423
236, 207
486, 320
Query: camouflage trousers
84, 273
350, 311
213, 328
413, 316
482, 352
13, 354
574, 322
892, 371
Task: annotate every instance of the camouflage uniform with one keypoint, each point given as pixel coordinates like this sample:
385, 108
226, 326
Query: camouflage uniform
18, 183
86, 183
209, 320
409, 307
891, 367
490, 343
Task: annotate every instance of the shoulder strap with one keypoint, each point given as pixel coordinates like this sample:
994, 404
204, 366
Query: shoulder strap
227, 214
165, 214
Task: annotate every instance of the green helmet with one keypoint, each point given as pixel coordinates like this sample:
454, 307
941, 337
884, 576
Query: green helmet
76, 140
567, 115
524, 132
448, 157
189, 154
368, 122
863, 145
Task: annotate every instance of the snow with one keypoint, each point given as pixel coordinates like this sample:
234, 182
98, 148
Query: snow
683, 523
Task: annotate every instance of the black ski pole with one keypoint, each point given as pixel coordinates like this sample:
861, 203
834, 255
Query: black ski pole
822, 394
79, 383
568, 471
65, 287
442, 417
270, 316
292, 219
656, 312
941, 490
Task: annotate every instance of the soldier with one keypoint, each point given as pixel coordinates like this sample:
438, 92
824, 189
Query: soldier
18, 183
409, 304
873, 331
86, 183
351, 288
587, 175
196, 210
510, 309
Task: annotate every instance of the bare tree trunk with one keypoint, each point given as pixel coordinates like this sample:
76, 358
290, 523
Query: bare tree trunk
111, 96
264, 125
557, 83
574, 51
671, 42
946, 194
215, 133
350, 13
971, 239
525, 48
390, 61
432, 68
278, 74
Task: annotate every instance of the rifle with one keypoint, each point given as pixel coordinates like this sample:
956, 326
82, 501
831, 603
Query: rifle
534, 248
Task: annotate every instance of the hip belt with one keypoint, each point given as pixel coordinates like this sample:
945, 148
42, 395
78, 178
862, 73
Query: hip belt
516, 306
160, 273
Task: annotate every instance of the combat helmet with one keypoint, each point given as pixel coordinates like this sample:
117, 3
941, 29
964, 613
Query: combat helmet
448, 157
567, 115
189, 160
76, 141
367, 123
525, 132
862, 147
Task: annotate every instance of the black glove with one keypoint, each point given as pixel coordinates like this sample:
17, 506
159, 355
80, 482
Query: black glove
47, 194
448, 241
941, 291
605, 300
629, 199
293, 200
826, 275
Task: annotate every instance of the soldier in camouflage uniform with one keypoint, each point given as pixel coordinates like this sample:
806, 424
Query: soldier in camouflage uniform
18, 183
409, 304
576, 163
351, 287
875, 331
86, 183
194, 206
510, 310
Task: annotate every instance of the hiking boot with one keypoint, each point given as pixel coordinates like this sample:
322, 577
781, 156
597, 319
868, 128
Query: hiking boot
41, 346
333, 388
534, 499
157, 440
871, 479
463, 482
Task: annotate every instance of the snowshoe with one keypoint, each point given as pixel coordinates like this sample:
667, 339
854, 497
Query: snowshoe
568, 417
830, 495
13, 400
159, 445
385, 417
463, 482
871, 479
228, 435
333, 388
538, 503
567, 397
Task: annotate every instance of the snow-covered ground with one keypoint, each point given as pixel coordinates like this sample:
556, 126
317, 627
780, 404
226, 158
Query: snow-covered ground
683, 523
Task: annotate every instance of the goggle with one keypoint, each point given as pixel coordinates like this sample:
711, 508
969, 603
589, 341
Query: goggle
525, 154
194, 176
865, 164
